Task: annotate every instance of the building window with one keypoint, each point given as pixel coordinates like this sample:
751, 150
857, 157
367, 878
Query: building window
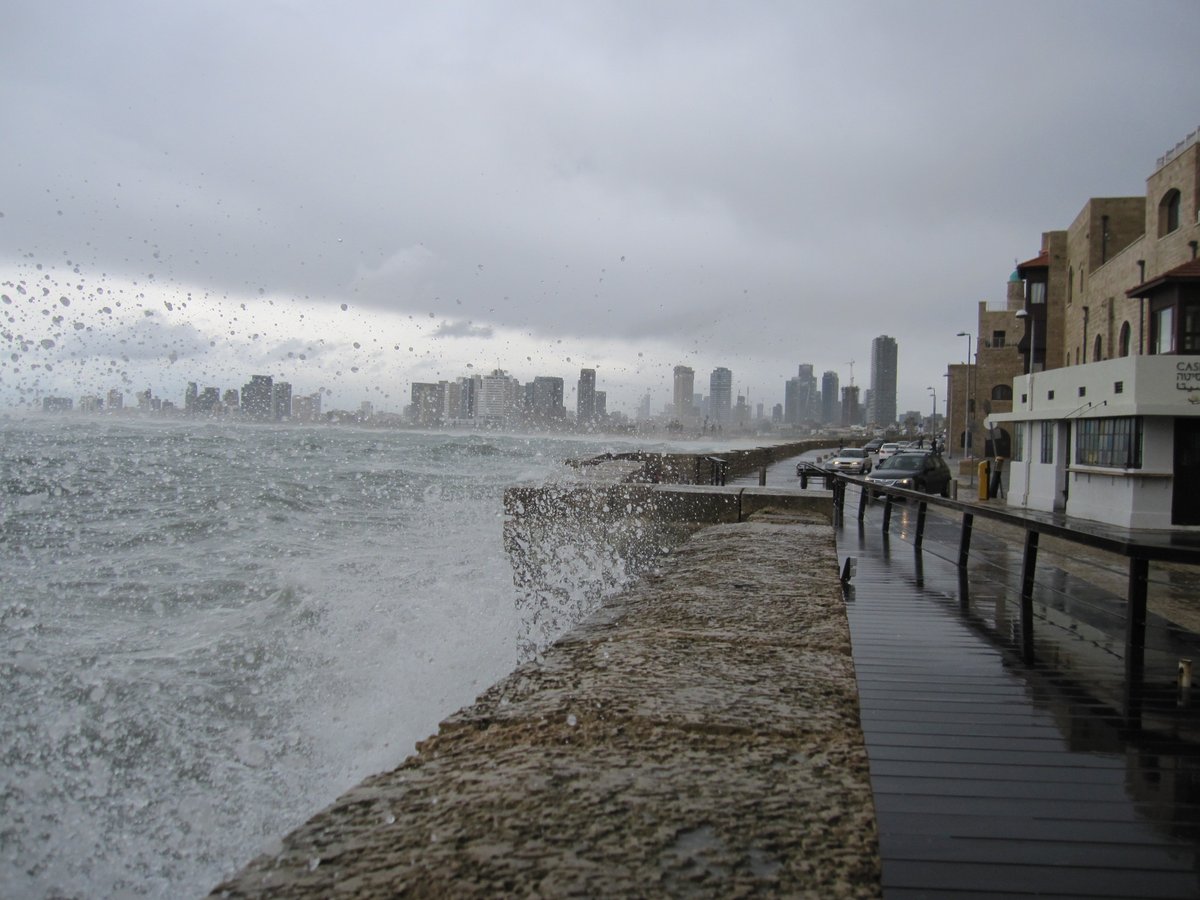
1126, 337
1047, 442
1049, 395
1018, 446
1189, 331
1002, 392
998, 338
1118, 387
1097, 349
1082, 391
1168, 212
1164, 330
1037, 292
1111, 443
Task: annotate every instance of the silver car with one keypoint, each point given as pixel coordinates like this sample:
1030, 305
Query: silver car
851, 460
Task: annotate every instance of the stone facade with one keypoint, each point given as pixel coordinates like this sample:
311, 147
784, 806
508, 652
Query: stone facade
1102, 269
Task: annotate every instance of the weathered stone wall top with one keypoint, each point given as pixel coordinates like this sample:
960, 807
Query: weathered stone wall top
690, 468
698, 735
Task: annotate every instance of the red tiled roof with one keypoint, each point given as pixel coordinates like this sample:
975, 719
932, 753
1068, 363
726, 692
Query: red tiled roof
1188, 272
1042, 261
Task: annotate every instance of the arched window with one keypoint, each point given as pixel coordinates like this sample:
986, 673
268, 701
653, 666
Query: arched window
1096, 350
1126, 332
1168, 212
1002, 392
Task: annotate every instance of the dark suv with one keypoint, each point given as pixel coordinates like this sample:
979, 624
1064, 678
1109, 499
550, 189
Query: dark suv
918, 470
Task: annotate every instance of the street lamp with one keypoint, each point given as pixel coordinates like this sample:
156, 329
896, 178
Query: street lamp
933, 415
967, 397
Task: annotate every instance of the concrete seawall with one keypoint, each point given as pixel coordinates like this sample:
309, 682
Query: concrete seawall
697, 735
695, 468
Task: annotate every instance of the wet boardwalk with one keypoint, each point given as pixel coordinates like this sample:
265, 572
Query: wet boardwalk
997, 778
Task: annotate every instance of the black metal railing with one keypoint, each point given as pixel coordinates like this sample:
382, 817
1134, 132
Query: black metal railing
1138, 551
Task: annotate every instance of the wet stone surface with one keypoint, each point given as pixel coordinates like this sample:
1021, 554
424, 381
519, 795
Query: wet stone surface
698, 736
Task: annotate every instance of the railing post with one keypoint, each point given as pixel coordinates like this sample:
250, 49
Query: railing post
920, 535
887, 512
1028, 566
964, 541
864, 497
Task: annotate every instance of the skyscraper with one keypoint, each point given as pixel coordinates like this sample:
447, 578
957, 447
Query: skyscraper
685, 386
585, 398
830, 414
257, 397
281, 400
882, 403
851, 412
720, 395
547, 400
496, 398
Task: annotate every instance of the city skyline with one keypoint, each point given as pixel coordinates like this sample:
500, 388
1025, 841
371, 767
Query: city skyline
467, 396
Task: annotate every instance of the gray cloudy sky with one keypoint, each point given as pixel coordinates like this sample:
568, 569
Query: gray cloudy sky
545, 186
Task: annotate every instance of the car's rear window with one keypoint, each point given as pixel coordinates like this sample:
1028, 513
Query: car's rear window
903, 462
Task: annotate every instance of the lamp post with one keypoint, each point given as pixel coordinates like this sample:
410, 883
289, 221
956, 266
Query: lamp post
933, 415
967, 398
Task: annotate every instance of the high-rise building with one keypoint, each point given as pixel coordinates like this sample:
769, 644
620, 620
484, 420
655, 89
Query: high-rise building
851, 413
685, 385
497, 396
257, 396
720, 395
281, 401
585, 398
830, 414
307, 408
468, 394
116, 399
189, 398
427, 401
208, 402
882, 403
601, 405
546, 400
799, 396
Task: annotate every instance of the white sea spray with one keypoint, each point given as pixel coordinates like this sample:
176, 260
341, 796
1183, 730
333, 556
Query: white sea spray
209, 631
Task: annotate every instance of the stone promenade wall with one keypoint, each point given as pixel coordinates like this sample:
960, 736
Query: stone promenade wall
699, 734
695, 468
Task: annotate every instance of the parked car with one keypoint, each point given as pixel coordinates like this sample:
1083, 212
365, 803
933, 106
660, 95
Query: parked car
891, 448
851, 460
918, 470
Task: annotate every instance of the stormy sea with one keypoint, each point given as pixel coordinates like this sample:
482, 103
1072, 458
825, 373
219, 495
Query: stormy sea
209, 631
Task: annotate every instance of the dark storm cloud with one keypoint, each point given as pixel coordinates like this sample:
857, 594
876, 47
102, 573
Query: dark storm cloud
758, 185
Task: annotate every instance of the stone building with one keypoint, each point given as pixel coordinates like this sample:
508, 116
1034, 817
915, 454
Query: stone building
1104, 425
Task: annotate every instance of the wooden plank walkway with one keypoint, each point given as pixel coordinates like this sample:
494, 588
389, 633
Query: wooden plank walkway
993, 778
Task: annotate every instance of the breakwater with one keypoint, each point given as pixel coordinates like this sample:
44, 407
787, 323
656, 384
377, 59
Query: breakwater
696, 733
